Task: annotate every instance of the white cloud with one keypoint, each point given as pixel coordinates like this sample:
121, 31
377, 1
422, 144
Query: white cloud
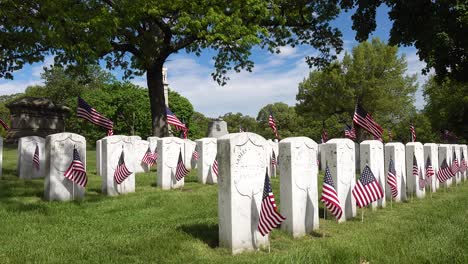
16, 86
414, 67
37, 70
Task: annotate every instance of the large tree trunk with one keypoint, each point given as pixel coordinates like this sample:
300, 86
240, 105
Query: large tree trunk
154, 78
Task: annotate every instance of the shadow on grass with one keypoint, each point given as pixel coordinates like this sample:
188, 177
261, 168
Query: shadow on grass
207, 233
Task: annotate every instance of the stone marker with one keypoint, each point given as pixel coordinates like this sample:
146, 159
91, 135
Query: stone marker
445, 152
431, 150
298, 189
207, 150
372, 154
99, 157
464, 150
168, 150
217, 128
111, 150
242, 168
339, 155
26, 150
135, 137
153, 142
396, 151
189, 147
456, 149
58, 157
412, 182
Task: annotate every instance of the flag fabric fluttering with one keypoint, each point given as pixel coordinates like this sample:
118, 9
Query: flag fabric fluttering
324, 135
367, 189
36, 163
350, 132
195, 154
329, 195
445, 172
149, 158
365, 120
269, 215
391, 178
4, 124
463, 165
422, 182
110, 132
173, 120
455, 167
413, 133
121, 171
415, 167
429, 170
272, 124
215, 168
181, 170
85, 111
76, 172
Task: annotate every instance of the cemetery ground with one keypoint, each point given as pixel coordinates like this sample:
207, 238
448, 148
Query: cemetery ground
180, 226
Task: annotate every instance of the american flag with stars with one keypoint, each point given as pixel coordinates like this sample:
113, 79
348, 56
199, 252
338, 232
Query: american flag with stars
415, 167
173, 120
149, 158
121, 171
181, 170
76, 172
350, 132
85, 111
195, 154
365, 120
36, 162
329, 195
269, 215
444, 172
429, 170
367, 189
272, 124
391, 178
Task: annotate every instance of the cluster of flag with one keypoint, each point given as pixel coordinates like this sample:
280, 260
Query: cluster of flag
76, 172
85, 111
150, 158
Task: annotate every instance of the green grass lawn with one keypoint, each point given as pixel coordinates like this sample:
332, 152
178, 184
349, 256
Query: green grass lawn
155, 226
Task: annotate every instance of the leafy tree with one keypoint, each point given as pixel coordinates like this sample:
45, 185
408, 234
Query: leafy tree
373, 74
140, 35
198, 125
436, 28
238, 120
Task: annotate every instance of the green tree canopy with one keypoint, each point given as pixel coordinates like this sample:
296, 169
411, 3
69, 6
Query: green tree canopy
238, 120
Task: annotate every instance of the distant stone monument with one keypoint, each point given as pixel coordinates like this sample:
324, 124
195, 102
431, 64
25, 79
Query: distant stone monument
31, 116
217, 128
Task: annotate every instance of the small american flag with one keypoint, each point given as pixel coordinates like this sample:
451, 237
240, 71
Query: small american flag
329, 195
76, 172
149, 158
173, 120
4, 125
272, 124
36, 163
273, 159
413, 133
367, 189
85, 111
324, 136
181, 170
121, 172
215, 168
455, 167
445, 172
365, 120
391, 178
350, 132
429, 169
422, 182
195, 154
269, 215
463, 166
415, 167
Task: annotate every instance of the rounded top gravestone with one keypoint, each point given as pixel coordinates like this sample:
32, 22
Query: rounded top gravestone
217, 128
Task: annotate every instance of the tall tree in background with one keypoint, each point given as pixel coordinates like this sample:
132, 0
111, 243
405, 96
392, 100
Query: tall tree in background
139, 35
373, 74
438, 30
238, 120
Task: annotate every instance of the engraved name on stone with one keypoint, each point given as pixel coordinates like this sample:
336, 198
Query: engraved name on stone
249, 169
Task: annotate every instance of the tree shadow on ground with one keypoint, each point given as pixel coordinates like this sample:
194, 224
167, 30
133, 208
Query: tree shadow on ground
207, 233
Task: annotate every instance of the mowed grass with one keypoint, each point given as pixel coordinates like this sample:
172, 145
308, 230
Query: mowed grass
181, 226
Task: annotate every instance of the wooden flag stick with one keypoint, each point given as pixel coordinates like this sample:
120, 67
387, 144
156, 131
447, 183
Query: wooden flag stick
362, 215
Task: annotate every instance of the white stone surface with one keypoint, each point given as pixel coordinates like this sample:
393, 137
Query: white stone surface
464, 149
445, 152
396, 151
207, 150
431, 150
168, 150
111, 150
298, 189
26, 149
340, 157
135, 137
58, 156
456, 150
412, 182
153, 142
242, 167
139, 150
99, 157
372, 154
189, 147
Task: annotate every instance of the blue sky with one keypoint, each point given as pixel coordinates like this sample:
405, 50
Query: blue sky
275, 77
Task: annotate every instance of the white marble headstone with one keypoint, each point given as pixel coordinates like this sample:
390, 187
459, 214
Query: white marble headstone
112, 147
412, 182
396, 151
169, 149
26, 149
464, 150
445, 153
456, 150
153, 142
298, 189
242, 168
58, 156
207, 150
340, 157
372, 154
139, 149
189, 147
431, 150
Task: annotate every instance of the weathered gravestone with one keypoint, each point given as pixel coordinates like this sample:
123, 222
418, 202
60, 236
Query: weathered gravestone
445, 153
58, 156
168, 150
242, 168
456, 150
207, 150
153, 143
189, 147
112, 148
139, 149
396, 151
298, 189
27, 169
464, 151
372, 154
339, 156
217, 128
431, 151
413, 187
